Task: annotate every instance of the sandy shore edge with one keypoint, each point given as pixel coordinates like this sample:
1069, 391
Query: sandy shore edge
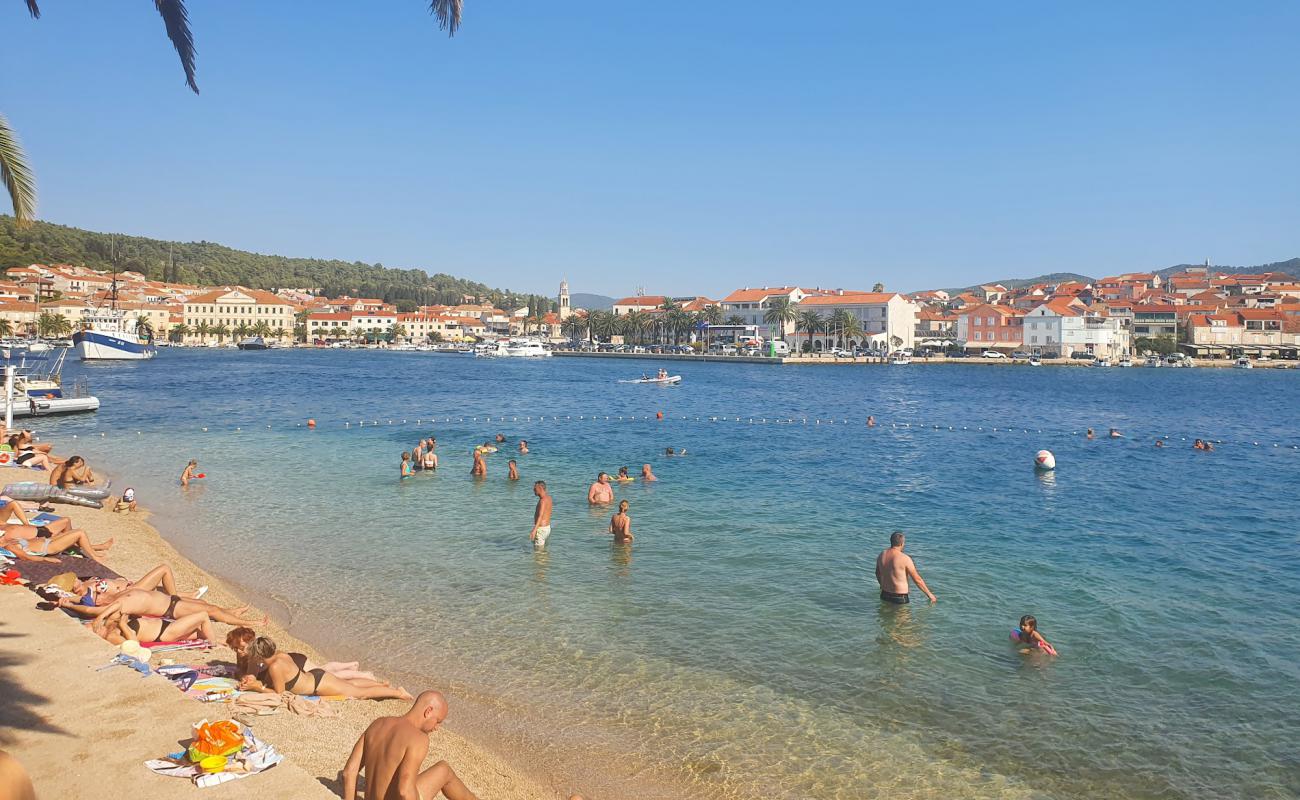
114, 720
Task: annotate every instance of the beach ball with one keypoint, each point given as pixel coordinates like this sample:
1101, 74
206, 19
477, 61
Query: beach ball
1045, 460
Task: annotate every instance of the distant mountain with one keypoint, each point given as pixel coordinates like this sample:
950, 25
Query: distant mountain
1289, 267
591, 302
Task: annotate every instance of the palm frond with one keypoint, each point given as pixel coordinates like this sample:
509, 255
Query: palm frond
177, 20
16, 175
448, 13
33, 9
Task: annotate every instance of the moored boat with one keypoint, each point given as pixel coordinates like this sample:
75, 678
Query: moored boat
253, 343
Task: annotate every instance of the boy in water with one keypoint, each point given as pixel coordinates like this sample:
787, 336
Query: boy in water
514, 471
621, 525
541, 516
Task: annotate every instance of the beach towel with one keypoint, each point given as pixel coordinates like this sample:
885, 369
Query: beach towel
255, 756
264, 703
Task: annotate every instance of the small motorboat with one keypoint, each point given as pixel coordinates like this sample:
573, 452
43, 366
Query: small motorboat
669, 380
1153, 361
253, 343
900, 360
1125, 362
1244, 363
1035, 361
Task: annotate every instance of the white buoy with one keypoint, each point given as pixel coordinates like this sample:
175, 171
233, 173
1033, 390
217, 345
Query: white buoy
1044, 460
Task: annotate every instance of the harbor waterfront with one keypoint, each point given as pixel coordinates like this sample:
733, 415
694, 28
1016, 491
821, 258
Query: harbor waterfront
739, 645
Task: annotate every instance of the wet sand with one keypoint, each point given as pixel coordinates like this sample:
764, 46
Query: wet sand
73, 727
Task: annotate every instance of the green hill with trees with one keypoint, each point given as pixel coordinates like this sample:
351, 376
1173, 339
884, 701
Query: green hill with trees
211, 264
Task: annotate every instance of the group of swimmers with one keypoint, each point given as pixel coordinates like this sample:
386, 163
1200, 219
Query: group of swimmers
1200, 444
895, 569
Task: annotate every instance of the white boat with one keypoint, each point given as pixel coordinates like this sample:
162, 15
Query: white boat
1125, 362
1099, 362
40, 392
39, 346
1244, 363
666, 381
1035, 361
1153, 361
522, 347
62, 343
900, 360
253, 343
107, 336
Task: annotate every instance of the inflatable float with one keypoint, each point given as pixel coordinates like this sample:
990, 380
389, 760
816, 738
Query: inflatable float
90, 496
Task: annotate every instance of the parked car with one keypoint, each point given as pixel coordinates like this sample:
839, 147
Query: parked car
993, 354
1083, 356
956, 354
840, 352
1049, 355
1020, 354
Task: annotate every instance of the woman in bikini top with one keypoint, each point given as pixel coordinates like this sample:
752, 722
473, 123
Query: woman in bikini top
118, 628
276, 665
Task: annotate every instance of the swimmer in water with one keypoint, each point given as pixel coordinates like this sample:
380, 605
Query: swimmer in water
523, 447
1028, 635
1160, 442
187, 474
1089, 434
668, 451
407, 469
479, 470
621, 525
622, 476
501, 437
647, 474
600, 492
871, 421
1206, 446
1115, 434
430, 459
541, 516
514, 471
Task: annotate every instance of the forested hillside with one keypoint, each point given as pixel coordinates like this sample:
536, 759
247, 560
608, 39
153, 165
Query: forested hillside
211, 264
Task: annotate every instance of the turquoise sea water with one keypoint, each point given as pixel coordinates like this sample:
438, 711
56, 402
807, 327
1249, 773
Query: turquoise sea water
739, 646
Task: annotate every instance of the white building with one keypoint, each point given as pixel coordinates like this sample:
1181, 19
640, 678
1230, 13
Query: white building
887, 319
751, 305
1065, 326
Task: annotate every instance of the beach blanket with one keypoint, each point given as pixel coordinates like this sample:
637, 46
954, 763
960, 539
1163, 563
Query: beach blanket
254, 757
264, 703
39, 572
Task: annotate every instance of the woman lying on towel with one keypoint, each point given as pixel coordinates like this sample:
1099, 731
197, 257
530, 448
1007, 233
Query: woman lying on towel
93, 592
148, 603
240, 638
10, 508
279, 672
42, 549
118, 628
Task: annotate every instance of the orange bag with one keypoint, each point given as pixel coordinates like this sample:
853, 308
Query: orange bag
215, 739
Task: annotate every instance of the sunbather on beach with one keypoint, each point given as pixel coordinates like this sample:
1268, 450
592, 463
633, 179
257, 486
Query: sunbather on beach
94, 593
73, 472
240, 640
391, 751
146, 602
11, 508
118, 628
41, 549
279, 672
27, 454
14, 781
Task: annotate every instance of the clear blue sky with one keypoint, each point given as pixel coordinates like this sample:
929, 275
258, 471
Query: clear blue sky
684, 147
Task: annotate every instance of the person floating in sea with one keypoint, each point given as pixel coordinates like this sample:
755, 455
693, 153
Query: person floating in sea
1160, 442
1027, 634
541, 516
668, 451
407, 469
188, 473
513, 475
391, 751
1115, 434
871, 421
479, 470
1203, 444
600, 492
622, 476
621, 525
488, 447
501, 437
1089, 434
647, 474
523, 447
894, 568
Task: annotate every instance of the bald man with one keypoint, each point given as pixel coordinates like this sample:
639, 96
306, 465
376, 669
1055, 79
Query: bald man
391, 752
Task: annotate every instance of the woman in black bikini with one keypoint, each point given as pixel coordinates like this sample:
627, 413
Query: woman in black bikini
280, 672
148, 603
27, 454
118, 628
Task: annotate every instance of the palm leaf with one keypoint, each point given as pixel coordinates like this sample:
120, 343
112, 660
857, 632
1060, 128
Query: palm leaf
177, 20
448, 13
33, 9
16, 175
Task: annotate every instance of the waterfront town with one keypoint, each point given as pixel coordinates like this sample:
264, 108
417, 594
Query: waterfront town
1199, 312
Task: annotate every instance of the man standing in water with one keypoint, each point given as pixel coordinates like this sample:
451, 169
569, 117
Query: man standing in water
541, 516
480, 466
600, 492
893, 569
392, 750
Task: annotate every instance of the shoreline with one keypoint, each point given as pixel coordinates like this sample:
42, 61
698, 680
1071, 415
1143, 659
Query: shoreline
317, 746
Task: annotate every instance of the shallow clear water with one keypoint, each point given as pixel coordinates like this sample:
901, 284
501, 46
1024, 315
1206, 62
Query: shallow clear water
739, 646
